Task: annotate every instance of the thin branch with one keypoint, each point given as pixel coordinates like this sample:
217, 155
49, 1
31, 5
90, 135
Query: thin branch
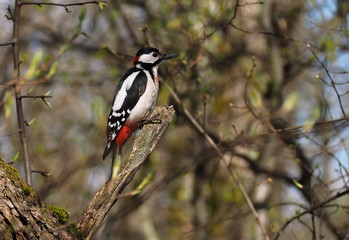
11, 42
17, 89
326, 27
310, 210
43, 173
237, 5
108, 49
65, 6
248, 80
145, 35
9, 16
197, 59
272, 34
329, 76
37, 96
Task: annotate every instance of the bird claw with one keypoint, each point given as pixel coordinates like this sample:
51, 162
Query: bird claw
150, 121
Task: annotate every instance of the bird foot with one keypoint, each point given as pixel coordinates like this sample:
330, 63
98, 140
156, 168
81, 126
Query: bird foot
150, 121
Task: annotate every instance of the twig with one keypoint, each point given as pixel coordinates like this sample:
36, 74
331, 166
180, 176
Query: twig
227, 23
310, 210
329, 76
43, 173
145, 34
111, 51
247, 104
272, 34
197, 59
11, 42
327, 28
37, 96
61, 4
10, 16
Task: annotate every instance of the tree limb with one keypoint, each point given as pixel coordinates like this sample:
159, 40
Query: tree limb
111, 191
17, 89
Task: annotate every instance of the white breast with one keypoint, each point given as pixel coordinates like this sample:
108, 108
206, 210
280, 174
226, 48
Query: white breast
146, 102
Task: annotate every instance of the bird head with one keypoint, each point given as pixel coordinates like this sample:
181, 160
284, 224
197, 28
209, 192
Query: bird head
148, 57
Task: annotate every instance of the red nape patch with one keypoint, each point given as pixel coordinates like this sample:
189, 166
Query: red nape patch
124, 134
136, 59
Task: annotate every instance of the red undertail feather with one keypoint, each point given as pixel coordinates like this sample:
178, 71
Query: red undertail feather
124, 134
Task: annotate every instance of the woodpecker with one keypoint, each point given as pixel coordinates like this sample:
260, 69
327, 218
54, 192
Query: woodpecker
134, 98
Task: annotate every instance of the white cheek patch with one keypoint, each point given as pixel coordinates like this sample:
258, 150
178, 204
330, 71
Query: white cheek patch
148, 58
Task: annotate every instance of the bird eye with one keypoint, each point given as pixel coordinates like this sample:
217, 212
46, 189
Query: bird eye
155, 54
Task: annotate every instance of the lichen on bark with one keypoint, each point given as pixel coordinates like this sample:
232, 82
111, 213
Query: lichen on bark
22, 216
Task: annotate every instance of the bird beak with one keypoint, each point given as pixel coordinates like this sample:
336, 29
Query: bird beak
169, 56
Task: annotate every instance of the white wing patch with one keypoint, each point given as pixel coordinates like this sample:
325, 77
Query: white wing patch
122, 94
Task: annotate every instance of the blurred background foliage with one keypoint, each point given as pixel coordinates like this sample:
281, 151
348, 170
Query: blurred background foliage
244, 72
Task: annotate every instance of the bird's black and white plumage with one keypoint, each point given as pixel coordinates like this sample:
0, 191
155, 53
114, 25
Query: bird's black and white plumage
134, 98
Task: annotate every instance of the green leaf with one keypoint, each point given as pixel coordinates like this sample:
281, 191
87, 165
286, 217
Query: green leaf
31, 122
82, 14
15, 157
100, 53
8, 104
114, 14
32, 71
143, 184
47, 103
316, 166
64, 48
98, 106
31, 90
275, 228
312, 119
53, 70
298, 185
48, 92
102, 5
290, 102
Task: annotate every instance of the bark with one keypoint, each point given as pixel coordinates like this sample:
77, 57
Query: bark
23, 216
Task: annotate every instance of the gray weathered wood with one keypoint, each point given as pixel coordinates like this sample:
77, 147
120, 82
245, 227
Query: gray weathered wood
109, 192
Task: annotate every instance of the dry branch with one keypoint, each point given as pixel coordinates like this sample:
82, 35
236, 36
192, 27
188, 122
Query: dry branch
110, 191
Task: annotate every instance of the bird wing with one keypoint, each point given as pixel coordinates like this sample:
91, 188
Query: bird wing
129, 90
